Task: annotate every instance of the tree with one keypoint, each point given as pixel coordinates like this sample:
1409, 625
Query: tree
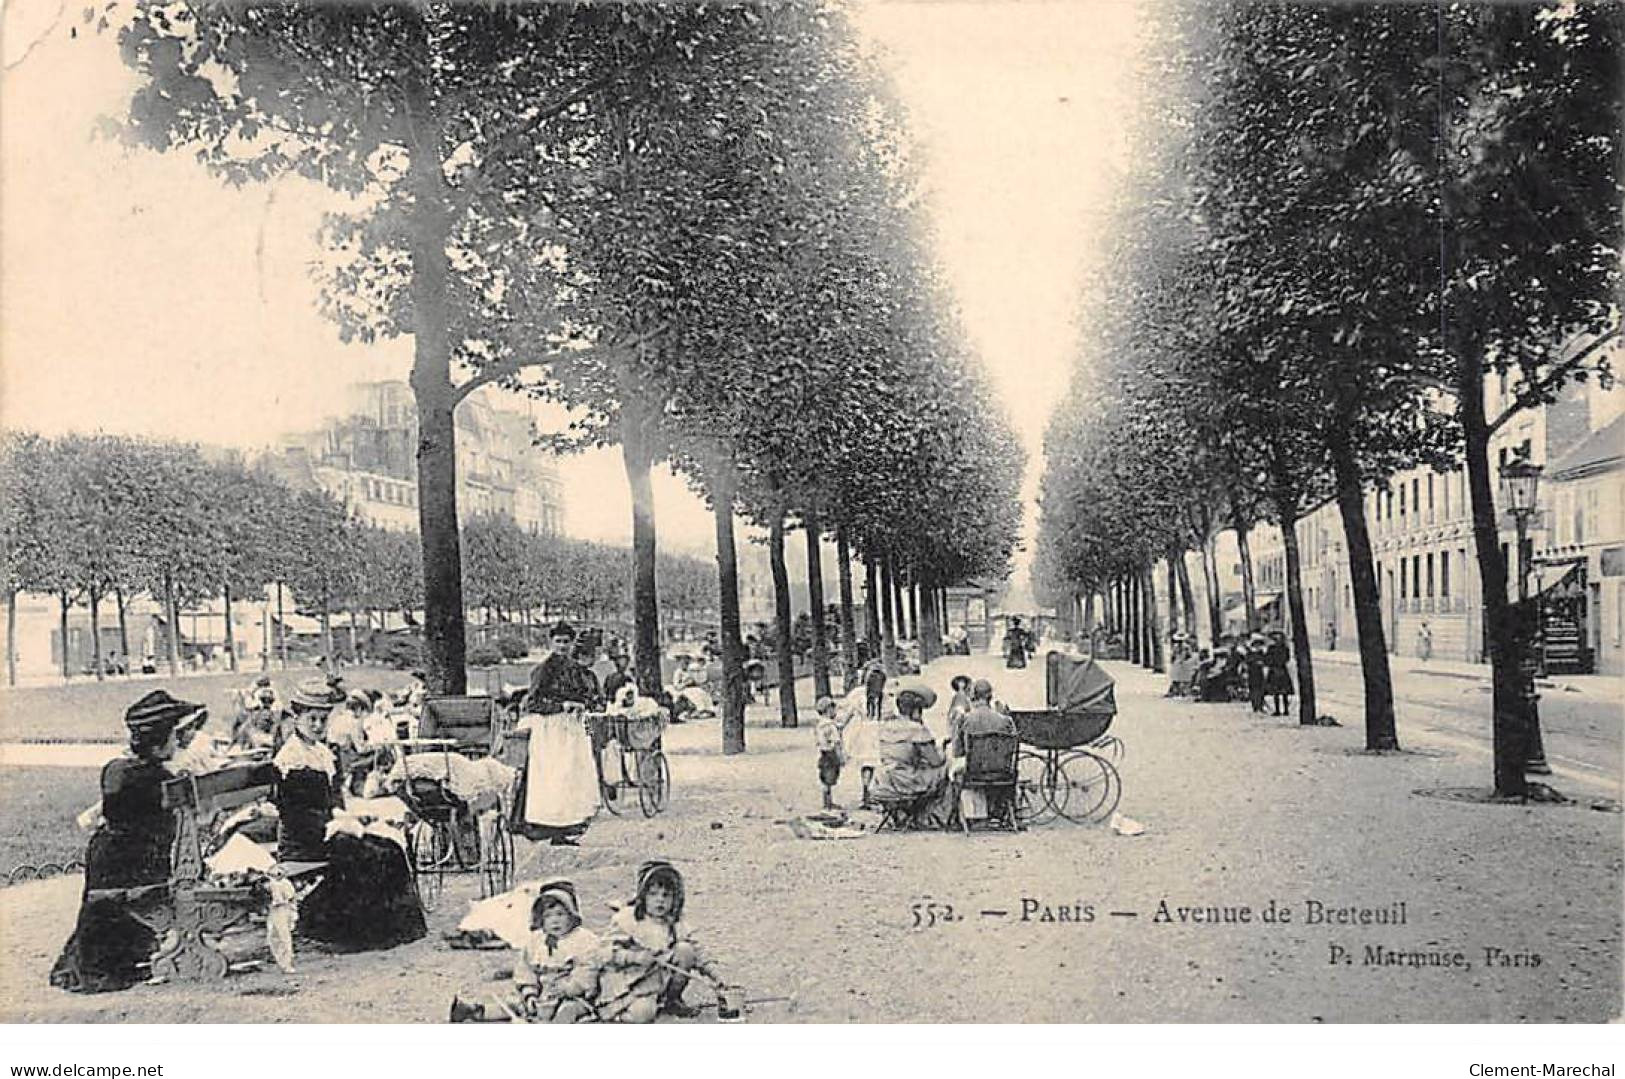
26, 526
1529, 187
445, 122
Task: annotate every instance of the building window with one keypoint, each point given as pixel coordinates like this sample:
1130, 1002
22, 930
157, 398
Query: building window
1430, 574
1444, 574
1402, 500
1404, 581
1446, 496
1416, 576
1430, 490
1416, 496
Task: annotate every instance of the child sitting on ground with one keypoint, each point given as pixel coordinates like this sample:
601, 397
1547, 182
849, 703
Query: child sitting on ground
647, 954
555, 975
828, 736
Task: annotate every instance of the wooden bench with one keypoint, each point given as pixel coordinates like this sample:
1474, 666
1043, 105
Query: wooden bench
197, 914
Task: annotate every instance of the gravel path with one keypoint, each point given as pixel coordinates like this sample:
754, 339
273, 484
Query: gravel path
1239, 811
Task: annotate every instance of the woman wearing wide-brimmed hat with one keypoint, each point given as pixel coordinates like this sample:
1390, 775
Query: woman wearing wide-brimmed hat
913, 768
128, 851
365, 899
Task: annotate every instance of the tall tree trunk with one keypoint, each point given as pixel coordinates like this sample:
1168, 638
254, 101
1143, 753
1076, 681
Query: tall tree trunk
930, 625
173, 615
1153, 629
638, 457
849, 629
1176, 609
815, 600
231, 630
11, 636
888, 615
900, 605
327, 634
1380, 732
1249, 590
62, 625
281, 629
1286, 510
444, 640
1187, 598
1210, 581
781, 614
871, 604
123, 629
1136, 606
95, 595
723, 482
1510, 709
913, 593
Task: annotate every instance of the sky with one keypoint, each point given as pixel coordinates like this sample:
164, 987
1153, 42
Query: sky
139, 295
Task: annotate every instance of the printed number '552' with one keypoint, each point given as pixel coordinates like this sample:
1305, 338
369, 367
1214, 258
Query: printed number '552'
929, 913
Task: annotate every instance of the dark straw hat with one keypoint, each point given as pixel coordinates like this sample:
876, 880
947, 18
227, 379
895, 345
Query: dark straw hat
157, 709
317, 695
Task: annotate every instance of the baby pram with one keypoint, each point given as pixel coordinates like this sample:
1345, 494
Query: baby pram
455, 791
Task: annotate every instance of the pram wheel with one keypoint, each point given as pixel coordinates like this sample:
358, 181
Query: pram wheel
429, 850
496, 868
1092, 787
654, 782
1036, 795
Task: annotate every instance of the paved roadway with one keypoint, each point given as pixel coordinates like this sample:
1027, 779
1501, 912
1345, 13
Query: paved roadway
1582, 730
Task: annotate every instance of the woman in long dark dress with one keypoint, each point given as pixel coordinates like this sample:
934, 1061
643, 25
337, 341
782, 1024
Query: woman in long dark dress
1277, 680
365, 899
1253, 663
559, 790
129, 850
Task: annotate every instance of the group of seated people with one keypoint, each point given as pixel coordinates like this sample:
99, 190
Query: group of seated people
363, 897
1237, 670
634, 970
901, 761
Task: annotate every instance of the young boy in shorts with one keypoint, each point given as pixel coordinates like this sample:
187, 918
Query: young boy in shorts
827, 734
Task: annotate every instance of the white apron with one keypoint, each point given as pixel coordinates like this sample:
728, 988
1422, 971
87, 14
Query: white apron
561, 784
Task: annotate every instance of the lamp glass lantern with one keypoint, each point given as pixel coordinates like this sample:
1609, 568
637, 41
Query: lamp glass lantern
1520, 483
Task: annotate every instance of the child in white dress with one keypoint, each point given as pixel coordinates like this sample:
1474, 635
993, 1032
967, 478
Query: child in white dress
648, 953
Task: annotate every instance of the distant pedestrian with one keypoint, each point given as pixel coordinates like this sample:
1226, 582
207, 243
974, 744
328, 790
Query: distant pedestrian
1424, 641
1277, 680
874, 689
1253, 662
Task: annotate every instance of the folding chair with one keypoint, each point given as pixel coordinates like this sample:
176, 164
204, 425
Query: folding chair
990, 767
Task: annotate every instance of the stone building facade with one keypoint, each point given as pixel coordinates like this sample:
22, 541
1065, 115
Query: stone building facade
1422, 542
368, 459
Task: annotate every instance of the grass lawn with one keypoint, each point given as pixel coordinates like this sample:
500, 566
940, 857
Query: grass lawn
37, 811
91, 711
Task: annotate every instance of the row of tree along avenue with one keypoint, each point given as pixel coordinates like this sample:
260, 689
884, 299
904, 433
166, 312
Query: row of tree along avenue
1348, 217
697, 227
101, 519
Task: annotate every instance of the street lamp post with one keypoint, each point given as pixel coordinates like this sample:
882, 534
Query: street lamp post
1520, 484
